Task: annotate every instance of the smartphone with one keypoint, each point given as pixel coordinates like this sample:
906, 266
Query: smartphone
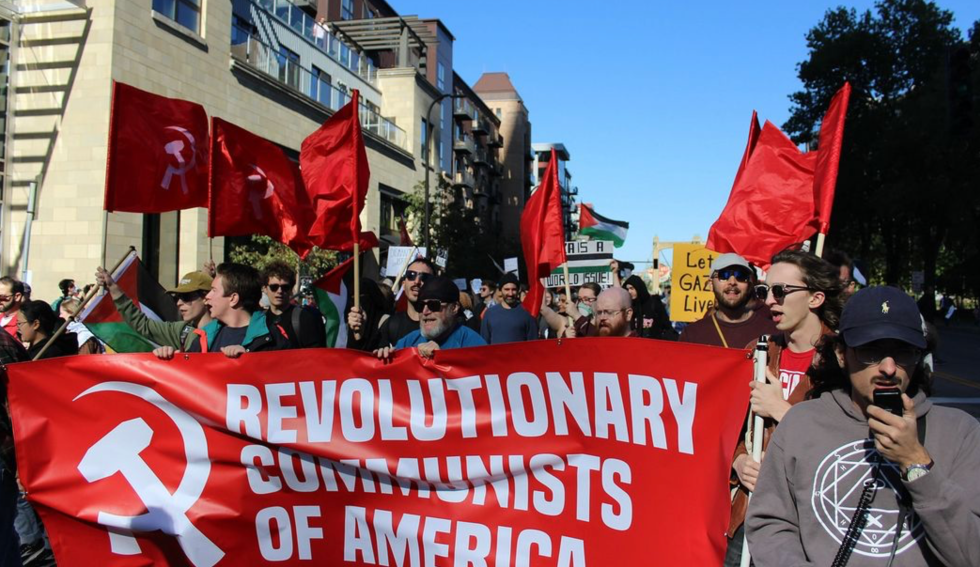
890, 399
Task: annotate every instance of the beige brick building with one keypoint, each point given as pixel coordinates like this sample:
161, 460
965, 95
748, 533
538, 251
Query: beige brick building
265, 65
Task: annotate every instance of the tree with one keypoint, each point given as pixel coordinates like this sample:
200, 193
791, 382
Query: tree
260, 251
905, 188
471, 240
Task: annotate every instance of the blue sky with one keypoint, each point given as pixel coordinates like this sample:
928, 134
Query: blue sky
651, 98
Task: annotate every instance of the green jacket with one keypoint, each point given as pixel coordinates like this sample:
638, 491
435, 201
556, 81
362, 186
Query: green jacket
177, 334
259, 335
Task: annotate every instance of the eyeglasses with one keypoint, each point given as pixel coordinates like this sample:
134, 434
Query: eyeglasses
6, 297
22, 323
274, 287
188, 296
412, 275
587, 299
604, 314
433, 305
779, 291
872, 354
739, 274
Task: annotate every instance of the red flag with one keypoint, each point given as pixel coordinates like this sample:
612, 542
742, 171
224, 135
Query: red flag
542, 234
335, 169
158, 153
256, 189
771, 202
828, 158
406, 238
754, 132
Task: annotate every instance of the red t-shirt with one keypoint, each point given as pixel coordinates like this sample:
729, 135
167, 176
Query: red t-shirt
792, 367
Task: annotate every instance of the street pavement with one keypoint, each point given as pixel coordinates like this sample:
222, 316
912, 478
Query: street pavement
956, 380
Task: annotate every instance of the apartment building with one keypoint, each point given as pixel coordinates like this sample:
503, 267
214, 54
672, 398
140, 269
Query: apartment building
476, 167
515, 154
569, 193
271, 66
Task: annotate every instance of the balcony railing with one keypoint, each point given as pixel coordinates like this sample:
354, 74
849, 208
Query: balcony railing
290, 14
463, 179
464, 144
462, 108
264, 58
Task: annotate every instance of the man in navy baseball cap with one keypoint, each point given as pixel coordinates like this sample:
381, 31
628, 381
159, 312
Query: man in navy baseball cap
879, 313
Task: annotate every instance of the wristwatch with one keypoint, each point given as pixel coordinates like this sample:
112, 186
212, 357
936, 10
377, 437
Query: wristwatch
913, 472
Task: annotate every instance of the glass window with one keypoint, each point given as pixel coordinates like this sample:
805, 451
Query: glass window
185, 12
424, 129
347, 9
320, 86
288, 67
344, 55
499, 114
442, 156
441, 77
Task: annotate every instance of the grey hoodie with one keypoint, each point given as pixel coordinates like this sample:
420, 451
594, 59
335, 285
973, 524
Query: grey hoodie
811, 481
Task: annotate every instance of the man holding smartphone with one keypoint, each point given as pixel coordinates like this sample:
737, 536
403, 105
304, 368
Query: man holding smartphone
847, 482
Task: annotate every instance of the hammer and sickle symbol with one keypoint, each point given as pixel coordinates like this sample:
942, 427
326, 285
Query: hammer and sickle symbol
183, 166
119, 452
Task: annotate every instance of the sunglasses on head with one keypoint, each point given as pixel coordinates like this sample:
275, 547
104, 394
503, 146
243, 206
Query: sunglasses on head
274, 287
433, 305
779, 291
412, 275
740, 274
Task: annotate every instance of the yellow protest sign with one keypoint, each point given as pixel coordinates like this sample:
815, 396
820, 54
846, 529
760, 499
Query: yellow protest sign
691, 294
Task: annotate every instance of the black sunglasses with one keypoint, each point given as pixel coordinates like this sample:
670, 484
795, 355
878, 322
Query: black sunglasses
412, 275
188, 296
779, 291
739, 274
274, 287
433, 305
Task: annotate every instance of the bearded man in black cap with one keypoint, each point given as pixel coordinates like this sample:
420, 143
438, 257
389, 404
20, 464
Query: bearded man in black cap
508, 321
439, 326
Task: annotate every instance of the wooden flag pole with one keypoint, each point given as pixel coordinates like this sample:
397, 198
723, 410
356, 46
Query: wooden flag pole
81, 306
820, 239
568, 292
357, 275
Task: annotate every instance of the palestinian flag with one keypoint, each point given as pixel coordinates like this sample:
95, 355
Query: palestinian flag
598, 227
331, 293
105, 322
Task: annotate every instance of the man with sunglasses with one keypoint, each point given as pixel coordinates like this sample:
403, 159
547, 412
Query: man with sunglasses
849, 481
11, 297
189, 295
439, 323
735, 319
508, 321
803, 294
403, 322
304, 328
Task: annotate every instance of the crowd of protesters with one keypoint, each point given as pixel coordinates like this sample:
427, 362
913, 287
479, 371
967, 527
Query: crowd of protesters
830, 349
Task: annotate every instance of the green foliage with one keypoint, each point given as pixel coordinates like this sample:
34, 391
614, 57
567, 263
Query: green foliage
472, 243
259, 251
906, 192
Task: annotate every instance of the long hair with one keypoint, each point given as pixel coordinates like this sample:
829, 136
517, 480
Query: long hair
828, 375
41, 312
820, 275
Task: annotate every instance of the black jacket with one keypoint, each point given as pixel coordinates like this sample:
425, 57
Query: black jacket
65, 345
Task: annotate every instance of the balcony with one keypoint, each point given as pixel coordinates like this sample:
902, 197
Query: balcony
497, 169
464, 145
463, 180
480, 157
462, 109
496, 141
479, 126
252, 53
300, 22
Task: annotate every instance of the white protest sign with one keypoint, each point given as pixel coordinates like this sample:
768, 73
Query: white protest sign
588, 261
397, 256
510, 265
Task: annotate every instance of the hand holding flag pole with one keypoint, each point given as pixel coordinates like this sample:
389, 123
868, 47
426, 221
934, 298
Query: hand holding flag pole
81, 306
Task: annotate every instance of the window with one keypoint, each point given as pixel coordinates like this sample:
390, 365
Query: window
347, 9
442, 157
498, 113
441, 77
424, 131
320, 86
185, 12
241, 29
392, 209
288, 67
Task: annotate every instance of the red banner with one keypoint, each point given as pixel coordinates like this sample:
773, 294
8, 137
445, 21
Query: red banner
585, 452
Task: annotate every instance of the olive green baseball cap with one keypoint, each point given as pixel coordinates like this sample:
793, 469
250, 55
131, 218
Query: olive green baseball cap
192, 281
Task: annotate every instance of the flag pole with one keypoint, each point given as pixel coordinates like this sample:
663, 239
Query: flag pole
761, 362
408, 262
820, 239
71, 318
568, 292
357, 275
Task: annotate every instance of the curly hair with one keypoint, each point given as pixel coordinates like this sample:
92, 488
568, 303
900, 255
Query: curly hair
828, 375
820, 275
279, 270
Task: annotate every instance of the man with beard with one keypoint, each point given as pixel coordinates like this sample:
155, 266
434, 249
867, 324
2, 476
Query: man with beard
404, 322
613, 312
732, 323
508, 322
304, 328
12, 294
439, 325
189, 295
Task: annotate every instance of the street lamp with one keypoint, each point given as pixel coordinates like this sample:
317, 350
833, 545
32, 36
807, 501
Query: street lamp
427, 153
